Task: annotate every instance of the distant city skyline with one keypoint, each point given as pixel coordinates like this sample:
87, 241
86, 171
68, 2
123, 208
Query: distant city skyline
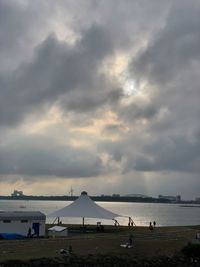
102, 96
20, 193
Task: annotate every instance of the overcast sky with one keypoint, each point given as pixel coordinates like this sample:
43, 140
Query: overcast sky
102, 96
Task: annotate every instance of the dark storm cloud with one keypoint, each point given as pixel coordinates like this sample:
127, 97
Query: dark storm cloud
168, 154
137, 110
114, 128
44, 70
155, 153
170, 64
10, 14
56, 71
20, 31
42, 157
175, 47
89, 100
117, 150
41, 68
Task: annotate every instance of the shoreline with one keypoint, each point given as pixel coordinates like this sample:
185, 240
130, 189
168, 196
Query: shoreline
101, 199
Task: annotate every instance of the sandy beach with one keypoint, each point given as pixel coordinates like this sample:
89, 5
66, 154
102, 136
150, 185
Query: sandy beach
163, 241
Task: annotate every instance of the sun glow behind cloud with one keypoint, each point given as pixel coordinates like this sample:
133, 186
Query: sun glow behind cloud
130, 88
102, 86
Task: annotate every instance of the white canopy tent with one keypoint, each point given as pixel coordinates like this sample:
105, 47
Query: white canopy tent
86, 208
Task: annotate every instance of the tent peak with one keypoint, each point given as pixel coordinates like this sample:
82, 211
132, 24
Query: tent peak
83, 193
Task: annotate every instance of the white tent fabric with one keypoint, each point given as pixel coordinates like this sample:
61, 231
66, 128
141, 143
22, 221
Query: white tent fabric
57, 228
86, 208
59, 231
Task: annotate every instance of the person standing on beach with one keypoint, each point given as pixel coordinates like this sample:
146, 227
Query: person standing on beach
150, 226
129, 222
130, 240
29, 232
154, 224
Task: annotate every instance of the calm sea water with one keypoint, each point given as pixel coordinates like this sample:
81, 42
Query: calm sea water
141, 213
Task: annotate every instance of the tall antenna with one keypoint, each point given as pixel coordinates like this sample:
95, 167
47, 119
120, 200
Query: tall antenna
71, 191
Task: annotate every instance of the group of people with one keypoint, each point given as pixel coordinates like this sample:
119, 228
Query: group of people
152, 225
130, 242
100, 227
130, 238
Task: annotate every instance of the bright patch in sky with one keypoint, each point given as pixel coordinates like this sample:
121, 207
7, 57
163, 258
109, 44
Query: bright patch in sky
130, 88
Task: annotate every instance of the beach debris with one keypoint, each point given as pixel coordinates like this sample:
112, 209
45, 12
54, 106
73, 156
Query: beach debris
64, 252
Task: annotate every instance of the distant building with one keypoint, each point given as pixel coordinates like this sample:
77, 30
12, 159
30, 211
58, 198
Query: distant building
137, 196
197, 199
170, 198
115, 195
17, 193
